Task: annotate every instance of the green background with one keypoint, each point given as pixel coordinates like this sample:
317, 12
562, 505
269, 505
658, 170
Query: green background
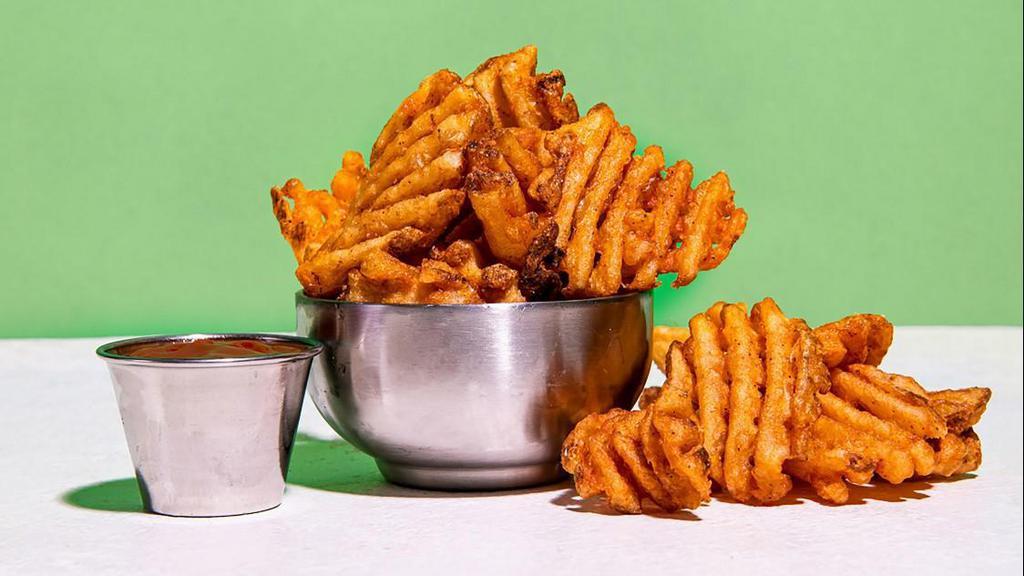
876, 145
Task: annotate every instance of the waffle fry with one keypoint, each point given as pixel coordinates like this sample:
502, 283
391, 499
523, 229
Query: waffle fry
662, 338
769, 411
450, 276
707, 360
960, 409
581, 248
386, 179
858, 339
747, 380
518, 96
309, 219
502, 158
431, 91
606, 277
711, 225
772, 447
871, 388
654, 453
326, 273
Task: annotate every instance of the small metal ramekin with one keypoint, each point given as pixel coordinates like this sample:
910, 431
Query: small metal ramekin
210, 437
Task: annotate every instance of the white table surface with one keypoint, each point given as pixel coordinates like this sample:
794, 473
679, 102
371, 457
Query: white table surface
69, 506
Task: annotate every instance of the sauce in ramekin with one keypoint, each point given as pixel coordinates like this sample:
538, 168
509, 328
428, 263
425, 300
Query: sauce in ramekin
210, 348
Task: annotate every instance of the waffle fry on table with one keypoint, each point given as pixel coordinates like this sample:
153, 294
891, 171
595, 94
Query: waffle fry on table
775, 403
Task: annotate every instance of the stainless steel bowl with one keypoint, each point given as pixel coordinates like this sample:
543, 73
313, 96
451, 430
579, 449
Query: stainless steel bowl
210, 437
476, 397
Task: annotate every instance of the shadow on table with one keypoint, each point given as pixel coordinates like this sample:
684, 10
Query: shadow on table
862, 494
331, 465
859, 495
337, 466
572, 501
120, 495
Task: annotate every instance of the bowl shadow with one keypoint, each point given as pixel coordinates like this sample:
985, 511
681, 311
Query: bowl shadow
337, 466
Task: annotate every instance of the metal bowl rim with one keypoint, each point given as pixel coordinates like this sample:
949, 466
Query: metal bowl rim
107, 351
302, 298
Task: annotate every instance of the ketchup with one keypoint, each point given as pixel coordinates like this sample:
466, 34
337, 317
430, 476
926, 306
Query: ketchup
210, 348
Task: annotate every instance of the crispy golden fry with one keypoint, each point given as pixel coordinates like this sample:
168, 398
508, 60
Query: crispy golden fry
655, 453
555, 154
575, 453
675, 422
359, 288
443, 172
904, 455
815, 457
508, 227
857, 339
663, 337
513, 142
714, 312
871, 388
637, 251
541, 277
705, 355
499, 283
785, 414
896, 411
748, 371
648, 395
517, 96
827, 470
464, 258
960, 409
520, 88
746, 376
850, 452
811, 379
450, 287
430, 93
958, 454
431, 214
449, 276
458, 101
324, 274
772, 447
560, 105
670, 194
383, 267
606, 278
581, 249
453, 133
419, 220
382, 278
628, 443
523, 162
313, 217
710, 225
589, 135
621, 493
346, 181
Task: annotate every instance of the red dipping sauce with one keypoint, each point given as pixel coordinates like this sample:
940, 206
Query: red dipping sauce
210, 348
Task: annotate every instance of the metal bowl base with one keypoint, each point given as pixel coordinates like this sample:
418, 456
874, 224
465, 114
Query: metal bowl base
471, 479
